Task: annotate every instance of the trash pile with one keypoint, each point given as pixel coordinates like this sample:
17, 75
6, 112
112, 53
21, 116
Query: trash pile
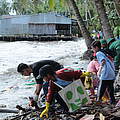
93, 111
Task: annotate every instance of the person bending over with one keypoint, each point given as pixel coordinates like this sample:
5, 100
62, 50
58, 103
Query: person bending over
34, 68
58, 80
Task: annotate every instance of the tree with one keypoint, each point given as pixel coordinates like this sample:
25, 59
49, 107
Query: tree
84, 30
4, 7
117, 5
22, 7
103, 19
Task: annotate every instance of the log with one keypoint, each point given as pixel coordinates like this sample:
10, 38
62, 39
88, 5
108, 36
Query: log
8, 111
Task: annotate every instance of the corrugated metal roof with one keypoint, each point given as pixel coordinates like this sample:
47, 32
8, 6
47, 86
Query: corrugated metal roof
19, 24
39, 18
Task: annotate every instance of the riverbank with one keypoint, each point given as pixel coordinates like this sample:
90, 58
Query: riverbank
37, 38
13, 90
92, 111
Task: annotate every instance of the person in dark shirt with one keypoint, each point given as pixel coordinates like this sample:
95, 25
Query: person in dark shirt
34, 68
114, 46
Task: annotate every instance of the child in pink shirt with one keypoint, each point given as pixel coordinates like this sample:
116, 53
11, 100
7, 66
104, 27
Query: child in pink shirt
93, 67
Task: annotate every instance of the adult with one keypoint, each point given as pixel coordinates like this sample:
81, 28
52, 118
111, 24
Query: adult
34, 68
114, 46
103, 44
105, 49
58, 80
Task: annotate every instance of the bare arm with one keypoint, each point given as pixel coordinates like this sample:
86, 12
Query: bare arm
101, 66
37, 91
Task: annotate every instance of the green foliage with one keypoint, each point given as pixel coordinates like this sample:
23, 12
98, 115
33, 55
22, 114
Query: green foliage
116, 30
4, 7
51, 4
112, 13
86, 7
62, 3
30, 6
22, 6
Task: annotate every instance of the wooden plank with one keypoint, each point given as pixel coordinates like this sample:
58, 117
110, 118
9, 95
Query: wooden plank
8, 111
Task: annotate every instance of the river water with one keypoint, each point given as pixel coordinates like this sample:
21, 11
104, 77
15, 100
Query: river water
13, 89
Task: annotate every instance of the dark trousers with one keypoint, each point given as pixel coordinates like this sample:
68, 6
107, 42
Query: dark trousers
55, 96
61, 101
102, 87
45, 87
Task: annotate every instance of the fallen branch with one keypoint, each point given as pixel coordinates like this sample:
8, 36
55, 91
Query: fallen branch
8, 111
23, 115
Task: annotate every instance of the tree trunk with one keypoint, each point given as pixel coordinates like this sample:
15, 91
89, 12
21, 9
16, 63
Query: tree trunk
117, 6
84, 30
103, 19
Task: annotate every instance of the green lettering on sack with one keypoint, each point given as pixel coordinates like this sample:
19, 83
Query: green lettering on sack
69, 95
84, 100
74, 106
80, 90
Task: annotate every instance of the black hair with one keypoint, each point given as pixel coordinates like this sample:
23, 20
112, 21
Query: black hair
96, 44
92, 57
21, 67
46, 69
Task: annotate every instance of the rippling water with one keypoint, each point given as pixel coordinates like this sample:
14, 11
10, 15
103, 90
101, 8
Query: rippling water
13, 90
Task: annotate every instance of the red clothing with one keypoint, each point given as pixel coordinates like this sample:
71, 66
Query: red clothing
66, 74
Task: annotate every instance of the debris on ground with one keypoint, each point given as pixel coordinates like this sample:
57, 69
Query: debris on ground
93, 111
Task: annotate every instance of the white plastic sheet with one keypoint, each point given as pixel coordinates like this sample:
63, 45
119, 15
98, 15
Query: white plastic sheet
74, 95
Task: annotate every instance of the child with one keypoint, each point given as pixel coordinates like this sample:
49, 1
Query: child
93, 67
106, 73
